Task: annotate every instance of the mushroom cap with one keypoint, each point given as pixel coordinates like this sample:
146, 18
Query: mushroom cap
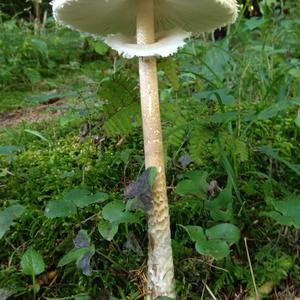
116, 19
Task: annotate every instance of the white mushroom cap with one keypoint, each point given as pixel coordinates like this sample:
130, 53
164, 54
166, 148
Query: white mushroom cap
115, 21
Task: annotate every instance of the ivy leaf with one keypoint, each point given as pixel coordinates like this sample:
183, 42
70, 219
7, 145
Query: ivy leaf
75, 198
196, 233
226, 232
221, 208
287, 212
115, 212
215, 248
60, 209
8, 215
195, 185
82, 198
32, 263
214, 241
108, 230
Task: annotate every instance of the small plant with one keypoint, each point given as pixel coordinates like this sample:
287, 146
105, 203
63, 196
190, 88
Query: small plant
32, 264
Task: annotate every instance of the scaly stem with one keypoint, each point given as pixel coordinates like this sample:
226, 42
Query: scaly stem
160, 259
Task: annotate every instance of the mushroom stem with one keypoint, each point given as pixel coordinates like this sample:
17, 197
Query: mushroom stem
160, 259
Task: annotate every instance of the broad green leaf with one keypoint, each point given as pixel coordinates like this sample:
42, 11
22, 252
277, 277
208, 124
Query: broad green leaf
287, 212
75, 198
60, 209
284, 220
196, 233
8, 215
32, 263
196, 185
82, 198
215, 248
289, 207
115, 212
220, 208
108, 230
100, 47
226, 232
187, 187
72, 256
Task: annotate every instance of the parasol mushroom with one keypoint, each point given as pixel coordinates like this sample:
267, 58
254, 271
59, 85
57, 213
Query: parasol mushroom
147, 29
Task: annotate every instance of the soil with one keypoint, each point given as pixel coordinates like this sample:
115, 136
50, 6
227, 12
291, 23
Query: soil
39, 113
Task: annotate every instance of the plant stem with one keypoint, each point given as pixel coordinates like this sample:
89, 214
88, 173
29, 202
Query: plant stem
160, 259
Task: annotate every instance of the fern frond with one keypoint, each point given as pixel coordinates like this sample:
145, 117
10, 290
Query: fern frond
200, 137
124, 121
121, 109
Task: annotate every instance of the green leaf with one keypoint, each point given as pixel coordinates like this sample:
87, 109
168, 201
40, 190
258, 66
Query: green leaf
221, 208
196, 185
82, 198
214, 241
115, 212
32, 263
100, 47
75, 198
72, 256
215, 248
8, 215
196, 233
60, 209
287, 212
226, 232
108, 230
39, 135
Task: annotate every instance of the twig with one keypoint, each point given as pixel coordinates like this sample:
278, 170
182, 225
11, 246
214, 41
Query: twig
209, 290
251, 270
